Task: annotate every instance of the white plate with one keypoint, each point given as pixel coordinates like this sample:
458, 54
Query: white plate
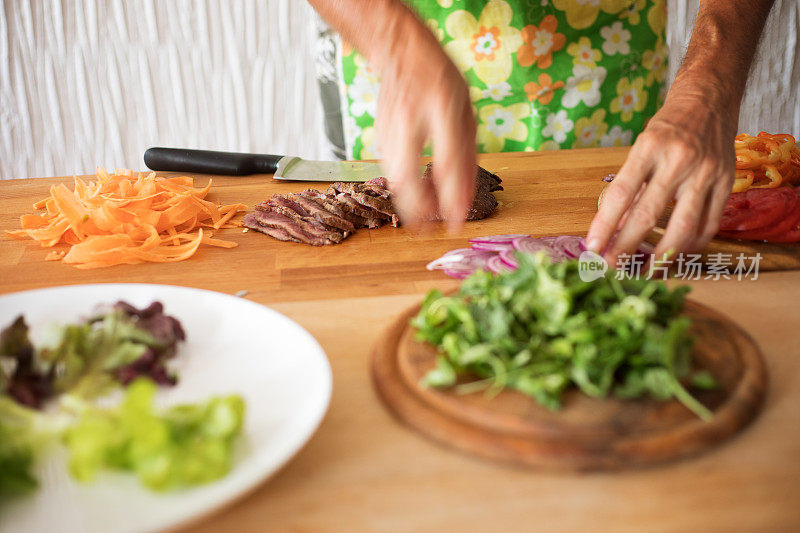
232, 346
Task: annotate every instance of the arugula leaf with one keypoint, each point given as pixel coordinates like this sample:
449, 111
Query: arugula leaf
540, 329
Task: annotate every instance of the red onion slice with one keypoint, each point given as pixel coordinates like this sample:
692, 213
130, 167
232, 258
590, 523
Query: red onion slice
496, 265
508, 258
464, 260
452, 257
495, 243
570, 245
497, 253
531, 246
497, 238
458, 274
492, 246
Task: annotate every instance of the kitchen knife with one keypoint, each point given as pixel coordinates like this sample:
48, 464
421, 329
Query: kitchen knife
282, 167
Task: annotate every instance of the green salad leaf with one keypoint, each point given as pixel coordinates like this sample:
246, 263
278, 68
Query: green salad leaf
184, 445
117, 345
24, 433
541, 329
16, 462
76, 363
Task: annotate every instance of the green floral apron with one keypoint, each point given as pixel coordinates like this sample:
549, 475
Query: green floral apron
543, 74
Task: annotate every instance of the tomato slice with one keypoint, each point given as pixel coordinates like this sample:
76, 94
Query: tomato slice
788, 228
793, 233
770, 233
757, 208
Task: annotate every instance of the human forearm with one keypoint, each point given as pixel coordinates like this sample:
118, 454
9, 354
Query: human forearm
686, 151
720, 52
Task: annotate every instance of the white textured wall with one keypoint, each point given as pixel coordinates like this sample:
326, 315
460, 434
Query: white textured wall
87, 82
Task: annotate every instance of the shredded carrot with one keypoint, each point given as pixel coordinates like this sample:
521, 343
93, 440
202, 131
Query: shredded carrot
126, 219
54, 255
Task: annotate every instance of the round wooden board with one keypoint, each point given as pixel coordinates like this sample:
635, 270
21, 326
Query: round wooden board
587, 433
774, 255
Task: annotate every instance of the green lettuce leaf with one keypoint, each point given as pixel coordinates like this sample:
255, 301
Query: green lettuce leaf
182, 446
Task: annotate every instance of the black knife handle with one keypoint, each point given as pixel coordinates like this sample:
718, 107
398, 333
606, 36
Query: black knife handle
209, 162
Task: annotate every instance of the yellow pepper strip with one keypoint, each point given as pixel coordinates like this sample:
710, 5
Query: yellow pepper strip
774, 176
743, 181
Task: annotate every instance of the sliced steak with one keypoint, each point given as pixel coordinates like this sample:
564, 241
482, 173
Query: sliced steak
370, 188
315, 227
323, 215
381, 206
302, 230
365, 195
372, 219
381, 182
348, 187
333, 205
282, 204
288, 205
250, 221
488, 181
484, 203
319, 218
482, 206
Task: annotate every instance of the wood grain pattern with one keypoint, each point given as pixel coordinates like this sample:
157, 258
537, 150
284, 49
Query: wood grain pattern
363, 471
586, 433
774, 256
371, 262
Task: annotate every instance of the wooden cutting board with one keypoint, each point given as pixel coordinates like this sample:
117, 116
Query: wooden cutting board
774, 256
587, 433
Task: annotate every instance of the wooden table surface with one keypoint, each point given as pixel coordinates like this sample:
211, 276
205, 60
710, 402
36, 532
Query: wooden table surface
364, 471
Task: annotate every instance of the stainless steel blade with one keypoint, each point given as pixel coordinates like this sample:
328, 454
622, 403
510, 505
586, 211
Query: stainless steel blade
294, 168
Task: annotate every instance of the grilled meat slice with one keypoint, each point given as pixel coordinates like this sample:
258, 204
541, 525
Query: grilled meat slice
482, 206
484, 203
381, 182
319, 218
488, 181
308, 220
332, 204
307, 231
374, 187
282, 204
363, 194
251, 221
372, 219
381, 205
323, 215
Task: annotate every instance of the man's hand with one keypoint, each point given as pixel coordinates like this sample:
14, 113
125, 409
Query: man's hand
686, 151
423, 97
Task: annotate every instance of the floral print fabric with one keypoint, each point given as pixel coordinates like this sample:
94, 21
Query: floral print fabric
543, 74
